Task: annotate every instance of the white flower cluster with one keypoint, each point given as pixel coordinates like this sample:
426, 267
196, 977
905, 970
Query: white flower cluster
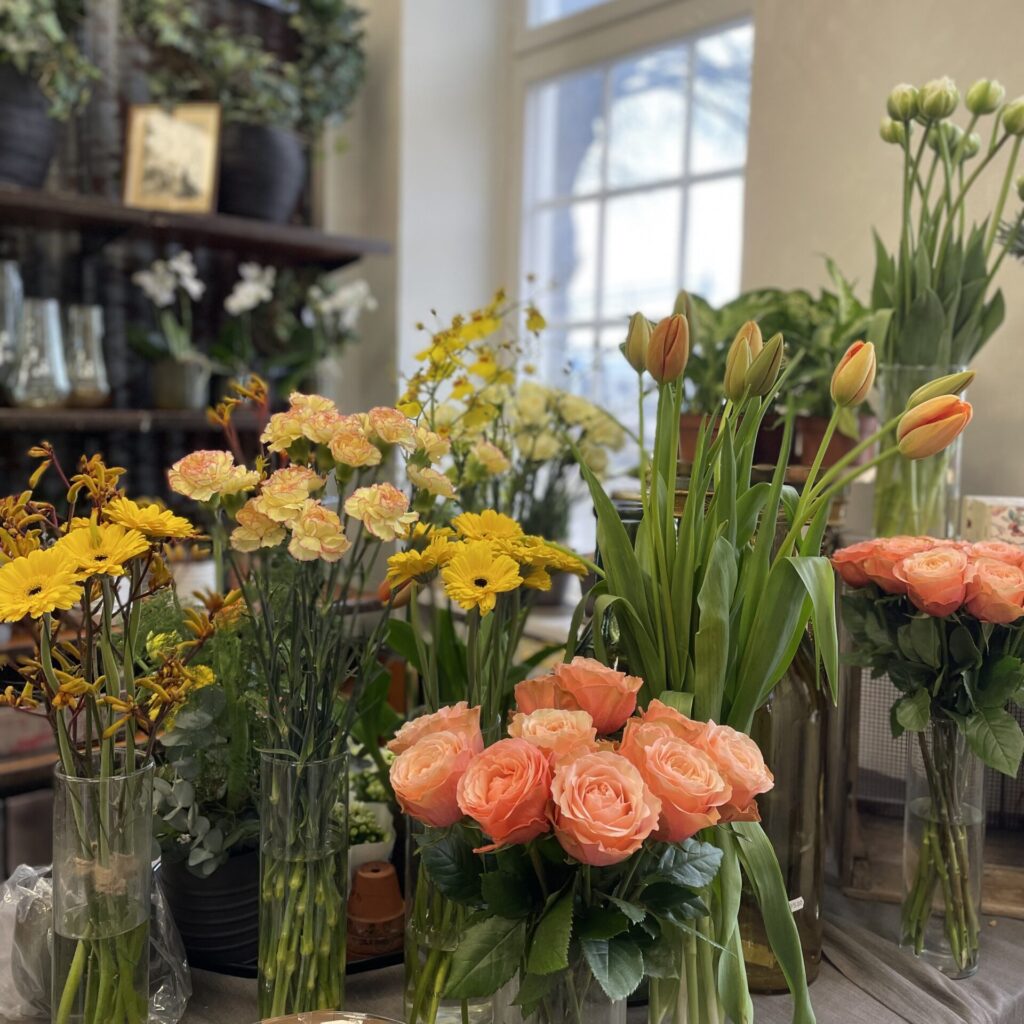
163, 278
341, 303
254, 286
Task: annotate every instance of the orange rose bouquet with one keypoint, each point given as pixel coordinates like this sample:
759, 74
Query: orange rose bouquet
571, 850
945, 621
302, 531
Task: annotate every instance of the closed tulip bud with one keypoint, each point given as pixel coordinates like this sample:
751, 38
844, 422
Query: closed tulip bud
853, 377
984, 96
764, 370
893, 132
902, 103
745, 348
669, 349
932, 426
1013, 116
638, 340
951, 384
972, 146
938, 98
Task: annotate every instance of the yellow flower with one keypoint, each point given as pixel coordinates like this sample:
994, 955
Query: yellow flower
479, 327
490, 457
24, 700
350, 446
434, 446
486, 525
536, 551
391, 427
575, 409
419, 565
37, 583
317, 534
536, 578
431, 481
101, 549
285, 492
310, 405
283, 429
316, 417
148, 519
531, 403
542, 447
594, 457
204, 474
255, 530
602, 429
534, 320
383, 509
477, 574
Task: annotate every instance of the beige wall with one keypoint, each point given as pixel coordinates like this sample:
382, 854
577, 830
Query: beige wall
819, 177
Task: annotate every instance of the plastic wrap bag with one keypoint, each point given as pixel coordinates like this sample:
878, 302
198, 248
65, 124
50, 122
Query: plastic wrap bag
26, 917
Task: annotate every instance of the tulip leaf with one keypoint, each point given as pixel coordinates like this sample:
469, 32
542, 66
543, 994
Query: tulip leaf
819, 581
487, 956
617, 964
711, 644
996, 737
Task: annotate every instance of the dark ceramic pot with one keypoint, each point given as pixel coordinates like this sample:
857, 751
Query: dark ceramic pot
28, 134
262, 172
218, 917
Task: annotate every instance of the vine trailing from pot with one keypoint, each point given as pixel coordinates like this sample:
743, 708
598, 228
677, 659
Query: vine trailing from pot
271, 104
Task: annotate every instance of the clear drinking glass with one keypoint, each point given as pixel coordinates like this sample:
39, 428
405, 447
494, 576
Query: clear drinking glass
40, 376
83, 353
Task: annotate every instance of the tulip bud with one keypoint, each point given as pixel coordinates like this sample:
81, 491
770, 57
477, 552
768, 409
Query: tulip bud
951, 384
972, 146
669, 349
902, 103
638, 340
930, 427
853, 377
764, 370
893, 132
984, 96
1013, 116
938, 98
745, 348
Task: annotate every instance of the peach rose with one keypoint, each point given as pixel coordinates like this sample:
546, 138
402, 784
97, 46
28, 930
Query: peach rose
849, 563
934, 579
317, 534
608, 696
672, 722
558, 733
542, 692
460, 718
602, 809
740, 762
204, 474
426, 777
878, 565
995, 591
685, 779
507, 791
1012, 554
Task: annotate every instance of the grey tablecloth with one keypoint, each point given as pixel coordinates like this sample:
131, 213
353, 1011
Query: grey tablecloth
864, 980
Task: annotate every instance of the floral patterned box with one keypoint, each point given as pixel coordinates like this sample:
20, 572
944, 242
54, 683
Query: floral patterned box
991, 518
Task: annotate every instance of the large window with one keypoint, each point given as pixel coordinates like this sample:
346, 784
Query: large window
632, 189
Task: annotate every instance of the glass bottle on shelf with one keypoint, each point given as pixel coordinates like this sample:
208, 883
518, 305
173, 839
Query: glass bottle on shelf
83, 353
11, 295
40, 376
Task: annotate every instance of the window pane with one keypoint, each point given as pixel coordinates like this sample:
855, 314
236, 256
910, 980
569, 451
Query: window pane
568, 358
641, 253
543, 11
721, 99
565, 135
714, 239
562, 252
647, 119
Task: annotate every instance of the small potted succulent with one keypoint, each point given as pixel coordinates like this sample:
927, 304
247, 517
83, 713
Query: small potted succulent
44, 78
271, 106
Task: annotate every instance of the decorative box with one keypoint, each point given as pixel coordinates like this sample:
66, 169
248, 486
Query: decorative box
992, 518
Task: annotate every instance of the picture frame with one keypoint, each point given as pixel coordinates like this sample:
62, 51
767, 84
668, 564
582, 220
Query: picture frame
172, 157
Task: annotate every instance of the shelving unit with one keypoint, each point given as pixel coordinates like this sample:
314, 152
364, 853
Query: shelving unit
142, 421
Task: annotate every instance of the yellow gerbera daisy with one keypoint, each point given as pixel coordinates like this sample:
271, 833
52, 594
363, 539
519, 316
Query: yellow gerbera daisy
486, 525
535, 551
101, 550
151, 520
477, 574
38, 583
418, 565
536, 577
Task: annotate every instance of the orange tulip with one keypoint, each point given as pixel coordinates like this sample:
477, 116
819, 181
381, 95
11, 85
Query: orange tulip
669, 349
854, 375
745, 348
930, 427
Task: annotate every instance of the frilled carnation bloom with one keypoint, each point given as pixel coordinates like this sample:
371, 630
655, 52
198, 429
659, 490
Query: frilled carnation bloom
431, 481
391, 427
284, 493
205, 474
383, 510
317, 534
283, 429
434, 446
350, 446
255, 530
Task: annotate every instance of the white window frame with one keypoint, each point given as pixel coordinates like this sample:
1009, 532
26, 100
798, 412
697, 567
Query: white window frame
596, 37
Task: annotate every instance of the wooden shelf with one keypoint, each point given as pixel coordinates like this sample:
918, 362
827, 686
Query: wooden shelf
105, 220
143, 421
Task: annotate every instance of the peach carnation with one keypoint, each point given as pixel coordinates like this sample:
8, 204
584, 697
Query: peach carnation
255, 530
285, 493
431, 481
350, 446
205, 474
283, 429
317, 534
383, 509
391, 427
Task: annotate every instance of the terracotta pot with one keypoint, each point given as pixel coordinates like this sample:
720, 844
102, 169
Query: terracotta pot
376, 911
810, 434
689, 430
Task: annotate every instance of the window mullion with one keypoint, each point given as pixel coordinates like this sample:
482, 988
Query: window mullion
684, 201
602, 223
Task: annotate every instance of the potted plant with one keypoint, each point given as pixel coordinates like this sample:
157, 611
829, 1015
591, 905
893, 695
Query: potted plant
270, 105
44, 78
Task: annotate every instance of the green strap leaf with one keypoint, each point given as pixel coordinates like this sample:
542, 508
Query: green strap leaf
819, 581
711, 644
487, 956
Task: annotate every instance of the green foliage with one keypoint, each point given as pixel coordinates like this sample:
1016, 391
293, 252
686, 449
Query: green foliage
191, 60
955, 669
363, 826
37, 40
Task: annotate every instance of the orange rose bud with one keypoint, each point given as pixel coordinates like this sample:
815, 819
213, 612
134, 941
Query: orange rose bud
854, 375
930, 427
669, 349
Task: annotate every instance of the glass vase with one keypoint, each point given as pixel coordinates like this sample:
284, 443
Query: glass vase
919, 497
572, 996
102, 879
692, 996
943, 850
11, 297
83, 353
790, 730
39, 378
433, 927
303, 882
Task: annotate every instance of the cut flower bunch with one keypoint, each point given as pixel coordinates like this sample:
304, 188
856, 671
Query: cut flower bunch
569, 849
945, 622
